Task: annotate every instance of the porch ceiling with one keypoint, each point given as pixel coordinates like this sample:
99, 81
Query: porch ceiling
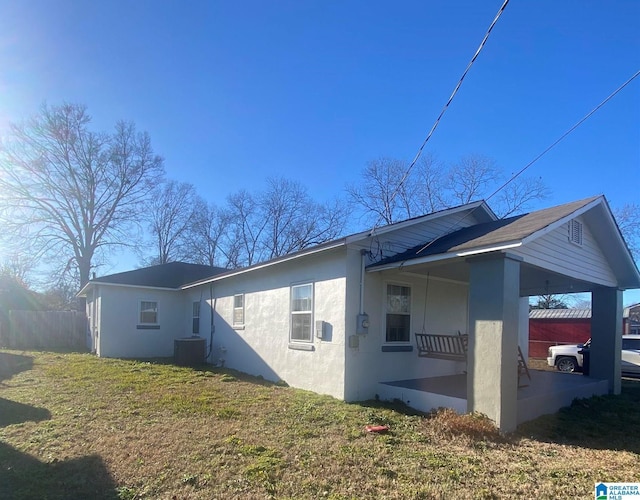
533, 280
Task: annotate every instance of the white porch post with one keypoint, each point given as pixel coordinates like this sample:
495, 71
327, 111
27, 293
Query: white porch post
494, 300
606, 336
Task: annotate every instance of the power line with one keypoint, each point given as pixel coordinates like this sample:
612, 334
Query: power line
446, 106
549, 148
562, 137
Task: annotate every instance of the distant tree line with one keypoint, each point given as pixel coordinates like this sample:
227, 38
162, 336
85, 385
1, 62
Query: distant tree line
249, 228
70, 197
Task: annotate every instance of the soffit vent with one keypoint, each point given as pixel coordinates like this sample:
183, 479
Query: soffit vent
575, 232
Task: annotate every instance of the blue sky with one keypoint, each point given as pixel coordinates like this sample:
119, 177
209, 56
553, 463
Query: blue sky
232, 92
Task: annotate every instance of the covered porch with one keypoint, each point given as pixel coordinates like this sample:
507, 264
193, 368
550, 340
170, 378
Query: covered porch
567, 249
546, 392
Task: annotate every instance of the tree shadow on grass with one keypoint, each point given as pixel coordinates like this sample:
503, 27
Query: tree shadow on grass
12, 412
12, 364
25, 477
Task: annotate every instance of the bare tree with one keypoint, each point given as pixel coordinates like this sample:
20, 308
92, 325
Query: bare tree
384, 194
430, 193
18, 268
471, 178
389, 193
628, 218
518, 195
172, 208
280, 220
551, 301
209, 233
246, 229
294, 221
67, 193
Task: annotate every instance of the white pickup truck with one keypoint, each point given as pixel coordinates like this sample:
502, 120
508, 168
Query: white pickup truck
566, 358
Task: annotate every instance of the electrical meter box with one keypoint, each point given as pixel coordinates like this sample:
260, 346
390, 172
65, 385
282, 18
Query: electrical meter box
362, 326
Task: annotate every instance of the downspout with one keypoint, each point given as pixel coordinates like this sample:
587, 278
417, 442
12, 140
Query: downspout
362, 323
212, 326
363, 254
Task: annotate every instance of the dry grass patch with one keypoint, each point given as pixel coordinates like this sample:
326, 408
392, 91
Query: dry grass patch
85, 427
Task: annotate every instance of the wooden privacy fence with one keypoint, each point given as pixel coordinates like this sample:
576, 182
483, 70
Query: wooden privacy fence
46, 330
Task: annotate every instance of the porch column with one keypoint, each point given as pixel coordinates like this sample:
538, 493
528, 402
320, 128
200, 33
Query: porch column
492, 364
606, 336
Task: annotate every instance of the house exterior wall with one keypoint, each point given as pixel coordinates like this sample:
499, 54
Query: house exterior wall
262, 346
374, 360
118, 335
555, 252
93, 310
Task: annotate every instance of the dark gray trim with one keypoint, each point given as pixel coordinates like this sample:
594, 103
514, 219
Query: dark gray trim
148, 327
397, 348
302, 347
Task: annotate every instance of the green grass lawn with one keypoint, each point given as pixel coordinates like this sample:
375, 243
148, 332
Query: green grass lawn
76, 426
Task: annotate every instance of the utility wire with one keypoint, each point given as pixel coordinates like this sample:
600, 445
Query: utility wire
562, 137
446, 106
549, 148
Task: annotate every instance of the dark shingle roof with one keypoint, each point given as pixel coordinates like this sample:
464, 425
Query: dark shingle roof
170, 275
503, 231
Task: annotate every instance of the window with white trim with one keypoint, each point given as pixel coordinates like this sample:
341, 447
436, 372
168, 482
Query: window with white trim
398, 314
238, 309
301, 312
148, 312
196, 317
575, 232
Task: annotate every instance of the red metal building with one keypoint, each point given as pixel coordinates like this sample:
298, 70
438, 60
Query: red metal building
549, 327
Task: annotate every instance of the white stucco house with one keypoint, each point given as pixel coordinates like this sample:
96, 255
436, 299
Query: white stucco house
344, 318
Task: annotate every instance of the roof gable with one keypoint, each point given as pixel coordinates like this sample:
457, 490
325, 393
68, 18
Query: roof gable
522, 232
498, 233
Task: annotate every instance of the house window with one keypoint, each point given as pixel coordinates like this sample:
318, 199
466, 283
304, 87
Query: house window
238, 309
148, 312
575, 232
301, 312
196, 318
398, 314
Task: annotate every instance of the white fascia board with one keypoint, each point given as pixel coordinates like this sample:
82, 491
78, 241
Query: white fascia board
123, 285
445, 256
496, 248
269, 263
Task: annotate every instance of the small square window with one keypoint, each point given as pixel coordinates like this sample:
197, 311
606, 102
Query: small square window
148, 312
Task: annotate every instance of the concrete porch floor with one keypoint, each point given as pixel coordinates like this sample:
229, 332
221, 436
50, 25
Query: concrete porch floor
546, 392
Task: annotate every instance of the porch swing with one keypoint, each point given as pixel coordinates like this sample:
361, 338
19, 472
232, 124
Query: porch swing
440, 345
454, 347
